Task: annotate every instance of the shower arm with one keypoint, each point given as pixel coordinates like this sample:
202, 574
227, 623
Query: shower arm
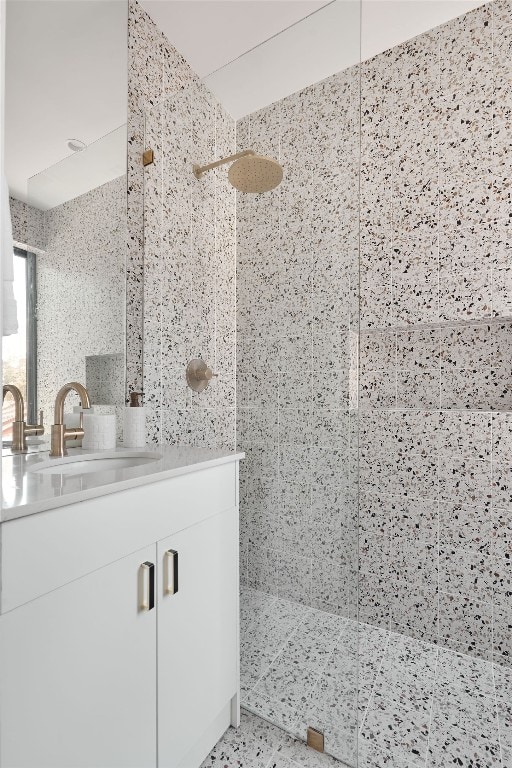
199, 170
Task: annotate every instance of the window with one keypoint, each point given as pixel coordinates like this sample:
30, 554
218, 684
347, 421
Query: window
19, 351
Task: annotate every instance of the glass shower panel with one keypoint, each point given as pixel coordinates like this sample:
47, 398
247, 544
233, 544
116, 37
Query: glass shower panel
285, 351
297, 336
435, 522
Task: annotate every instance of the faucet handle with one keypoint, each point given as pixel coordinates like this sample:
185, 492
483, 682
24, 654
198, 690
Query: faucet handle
209, 374
34, 430
199, 375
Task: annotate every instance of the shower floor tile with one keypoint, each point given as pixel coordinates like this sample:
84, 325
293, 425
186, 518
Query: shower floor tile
259, 744
387, 699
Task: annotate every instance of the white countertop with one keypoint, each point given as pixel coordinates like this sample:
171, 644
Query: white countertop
25, 492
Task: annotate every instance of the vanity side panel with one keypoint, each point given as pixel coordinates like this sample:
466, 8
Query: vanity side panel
43, 552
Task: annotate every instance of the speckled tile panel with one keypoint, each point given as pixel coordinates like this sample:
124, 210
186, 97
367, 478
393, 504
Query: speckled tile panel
297, 259
79, 242
181, 285
435, 120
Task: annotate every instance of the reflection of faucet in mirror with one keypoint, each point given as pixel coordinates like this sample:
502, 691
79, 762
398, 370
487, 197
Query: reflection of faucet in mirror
20, 430
59, 432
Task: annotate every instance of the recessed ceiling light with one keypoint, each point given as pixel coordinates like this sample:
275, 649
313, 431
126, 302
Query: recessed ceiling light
75, 145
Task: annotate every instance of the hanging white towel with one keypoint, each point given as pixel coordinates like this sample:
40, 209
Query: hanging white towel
9, 310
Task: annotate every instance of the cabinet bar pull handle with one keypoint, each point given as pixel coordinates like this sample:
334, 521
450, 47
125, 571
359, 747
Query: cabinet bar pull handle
148, 586
171, 572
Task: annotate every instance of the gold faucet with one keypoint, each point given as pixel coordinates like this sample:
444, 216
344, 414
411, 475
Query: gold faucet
59, 432
20, 430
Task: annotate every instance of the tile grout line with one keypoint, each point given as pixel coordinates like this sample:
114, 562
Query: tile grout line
496, 711
439, 350
320, 674
274, 754
278, 653
440, 380
293, 731
370, 698
254, 618
431, 708
491, 419
283, 645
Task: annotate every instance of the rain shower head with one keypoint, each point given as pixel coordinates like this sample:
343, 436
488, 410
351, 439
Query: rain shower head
255, 173
249, 173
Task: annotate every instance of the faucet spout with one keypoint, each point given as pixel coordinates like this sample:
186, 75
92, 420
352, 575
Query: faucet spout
20, 430
61, 397
59, 433
19, 408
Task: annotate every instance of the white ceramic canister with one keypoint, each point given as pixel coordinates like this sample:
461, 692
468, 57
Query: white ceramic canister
99, 431
134, 434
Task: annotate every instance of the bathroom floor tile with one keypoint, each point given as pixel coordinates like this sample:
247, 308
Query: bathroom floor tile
465, 675
254, 662
400, 727
408, 659
334, 704
249, 746
282, 714
277, 761
415, 704
371, 756
287, 683
456, 746
464, 710
305, 653
300, 754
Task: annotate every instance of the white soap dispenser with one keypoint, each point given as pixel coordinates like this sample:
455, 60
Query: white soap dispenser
134, 435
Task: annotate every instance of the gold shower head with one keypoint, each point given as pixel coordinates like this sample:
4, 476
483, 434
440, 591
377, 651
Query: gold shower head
255, 173
249, 173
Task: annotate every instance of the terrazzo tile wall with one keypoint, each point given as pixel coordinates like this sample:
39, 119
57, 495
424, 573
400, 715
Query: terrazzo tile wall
436, 336
81, 261
435, 529
28, 225
297, 314
181, 270
80, 289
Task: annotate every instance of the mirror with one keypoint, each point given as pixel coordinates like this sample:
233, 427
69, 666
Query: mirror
66, 172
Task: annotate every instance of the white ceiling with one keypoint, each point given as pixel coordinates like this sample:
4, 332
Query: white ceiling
211, 33
102, 161
325, 42
253, 52
66, 61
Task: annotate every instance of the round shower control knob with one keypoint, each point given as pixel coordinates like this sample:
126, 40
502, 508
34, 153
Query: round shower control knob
199, 375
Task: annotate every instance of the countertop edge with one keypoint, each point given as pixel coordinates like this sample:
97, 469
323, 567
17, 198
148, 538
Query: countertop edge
10, 514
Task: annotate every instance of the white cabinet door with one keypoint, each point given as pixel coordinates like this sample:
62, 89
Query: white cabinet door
197, 634
78, 674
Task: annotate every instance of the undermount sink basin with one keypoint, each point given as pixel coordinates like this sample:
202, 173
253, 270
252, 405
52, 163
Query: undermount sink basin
94, 462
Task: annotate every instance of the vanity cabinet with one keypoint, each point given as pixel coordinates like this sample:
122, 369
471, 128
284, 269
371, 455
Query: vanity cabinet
78, 675
93, 672
197, 651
